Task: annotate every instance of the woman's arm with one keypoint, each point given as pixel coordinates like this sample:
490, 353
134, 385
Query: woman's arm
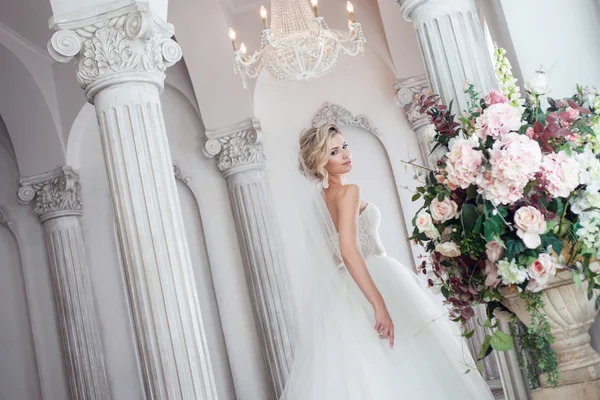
348, 207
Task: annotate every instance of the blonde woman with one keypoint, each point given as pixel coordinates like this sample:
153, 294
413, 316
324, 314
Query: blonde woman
368, 331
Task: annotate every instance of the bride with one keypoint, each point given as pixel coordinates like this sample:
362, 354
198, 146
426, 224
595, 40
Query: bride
369, 330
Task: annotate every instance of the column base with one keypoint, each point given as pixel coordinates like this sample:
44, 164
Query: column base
580, 391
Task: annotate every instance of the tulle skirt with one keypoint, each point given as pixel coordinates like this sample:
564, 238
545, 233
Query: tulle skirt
339, 355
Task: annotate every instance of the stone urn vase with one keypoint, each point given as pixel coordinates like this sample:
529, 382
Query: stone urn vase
571, 315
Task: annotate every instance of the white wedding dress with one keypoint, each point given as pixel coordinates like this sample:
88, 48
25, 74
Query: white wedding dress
339, 355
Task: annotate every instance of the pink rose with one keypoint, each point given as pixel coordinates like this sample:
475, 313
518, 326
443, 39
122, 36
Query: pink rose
561, 173
491, 272
463, 164
465, 86
530, 225
540, 272
499, 119
494, 250
448, 249
495, 97
444, 210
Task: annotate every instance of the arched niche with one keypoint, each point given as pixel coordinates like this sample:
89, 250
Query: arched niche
33, 131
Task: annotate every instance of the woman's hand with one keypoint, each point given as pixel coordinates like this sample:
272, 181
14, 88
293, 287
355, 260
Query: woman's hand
384, 325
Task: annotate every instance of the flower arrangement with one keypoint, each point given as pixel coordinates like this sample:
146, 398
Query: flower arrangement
514, 199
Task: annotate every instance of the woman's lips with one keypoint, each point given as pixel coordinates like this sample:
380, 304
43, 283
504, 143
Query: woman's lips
349, 162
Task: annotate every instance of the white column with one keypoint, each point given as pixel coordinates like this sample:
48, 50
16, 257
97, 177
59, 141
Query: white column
453, 46
122, 56
56, 199
407, 92
241, 159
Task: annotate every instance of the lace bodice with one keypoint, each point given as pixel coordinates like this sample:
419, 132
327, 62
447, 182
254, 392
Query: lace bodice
369, 243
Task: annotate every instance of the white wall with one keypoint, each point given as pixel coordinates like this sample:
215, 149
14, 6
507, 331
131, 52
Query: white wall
30, 349
363, 88
561, 36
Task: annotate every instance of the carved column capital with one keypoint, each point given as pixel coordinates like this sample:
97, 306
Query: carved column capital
4, 218
129, 44
407, 92
237, 148
55, 193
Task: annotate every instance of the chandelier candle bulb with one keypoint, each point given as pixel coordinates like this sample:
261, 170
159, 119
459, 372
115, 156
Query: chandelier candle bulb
263, 15
315, 8
232, 37
350, 9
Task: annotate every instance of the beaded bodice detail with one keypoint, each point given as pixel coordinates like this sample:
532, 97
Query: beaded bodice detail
369, 243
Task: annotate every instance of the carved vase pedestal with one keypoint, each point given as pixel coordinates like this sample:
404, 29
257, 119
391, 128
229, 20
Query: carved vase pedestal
571, 315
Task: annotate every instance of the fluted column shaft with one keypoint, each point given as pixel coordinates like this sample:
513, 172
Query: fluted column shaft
241, 159
56, 197
121, 66
453, 46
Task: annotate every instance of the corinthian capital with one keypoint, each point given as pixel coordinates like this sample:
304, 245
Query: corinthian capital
124, 44
237, 148
407, 92
54, 194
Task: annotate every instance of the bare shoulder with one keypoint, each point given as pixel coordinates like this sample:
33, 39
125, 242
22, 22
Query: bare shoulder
350, 194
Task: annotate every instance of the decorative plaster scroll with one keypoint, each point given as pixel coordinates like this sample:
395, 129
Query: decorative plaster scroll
407, 91
4, 218
179, 174
336, 114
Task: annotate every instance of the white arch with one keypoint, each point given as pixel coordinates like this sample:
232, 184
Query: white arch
28, 118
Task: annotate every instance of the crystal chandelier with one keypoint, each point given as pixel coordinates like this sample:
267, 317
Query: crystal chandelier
298, 45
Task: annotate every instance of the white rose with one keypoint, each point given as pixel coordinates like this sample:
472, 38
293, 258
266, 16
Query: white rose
425, 225
444, 210
494, 250
530, 225
540, 272
448, 249
502, 315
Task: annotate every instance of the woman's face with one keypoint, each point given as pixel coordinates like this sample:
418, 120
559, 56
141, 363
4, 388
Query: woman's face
340, 158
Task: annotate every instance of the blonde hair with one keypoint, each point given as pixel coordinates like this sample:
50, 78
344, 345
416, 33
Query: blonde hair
315, 145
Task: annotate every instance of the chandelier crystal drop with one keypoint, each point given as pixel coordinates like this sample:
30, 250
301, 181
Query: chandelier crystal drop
298, 46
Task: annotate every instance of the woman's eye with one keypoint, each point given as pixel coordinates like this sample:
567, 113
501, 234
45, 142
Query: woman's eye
333, 153
345, 146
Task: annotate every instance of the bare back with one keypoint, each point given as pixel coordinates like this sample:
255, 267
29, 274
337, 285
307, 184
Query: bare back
335, 197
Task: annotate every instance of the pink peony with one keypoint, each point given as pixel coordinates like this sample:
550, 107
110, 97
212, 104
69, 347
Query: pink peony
515, 160
491, 272
495, 97
561, 173
444, 210
540, 272
499, 119
463, 163
530, 225
494, 250
530, 133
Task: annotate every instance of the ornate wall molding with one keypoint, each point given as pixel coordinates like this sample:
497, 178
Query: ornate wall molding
180, 175
55, 193
237, 147
339, 115
4, 220
407, 92
130, 41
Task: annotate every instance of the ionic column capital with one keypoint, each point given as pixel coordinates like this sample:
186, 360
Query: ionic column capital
128, 44
56, 193
237, 148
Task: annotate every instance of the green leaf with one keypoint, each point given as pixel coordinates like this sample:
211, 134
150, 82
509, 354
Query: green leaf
416, 196
577, 280
445, 292
492, 227
501, 341
528, 187
556, 206
468, 217
550, 239
485, 348
514, 246
478, 223
471, 192
468, 335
